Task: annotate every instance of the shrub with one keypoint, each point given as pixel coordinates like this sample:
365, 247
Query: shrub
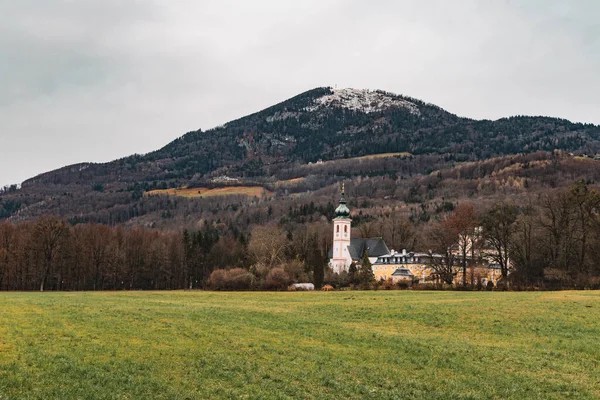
426, 286
240, 279
233, 279
502, 285
277, 279
296, 270
403, 285
337, 280
388, 284
217, 279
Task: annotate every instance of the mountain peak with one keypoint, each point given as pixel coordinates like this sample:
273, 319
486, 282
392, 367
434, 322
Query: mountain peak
364, 100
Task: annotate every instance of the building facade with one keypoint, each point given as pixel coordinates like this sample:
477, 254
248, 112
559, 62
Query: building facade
347, 250
418, 266
397, 266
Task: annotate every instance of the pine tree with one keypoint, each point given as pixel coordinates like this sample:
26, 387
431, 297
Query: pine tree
365, 273
353, 274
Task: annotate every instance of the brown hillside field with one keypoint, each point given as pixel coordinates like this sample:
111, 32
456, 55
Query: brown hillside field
251, 191
367, 157
385, 155
290, 181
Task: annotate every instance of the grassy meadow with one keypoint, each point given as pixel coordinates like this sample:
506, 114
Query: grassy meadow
346, 345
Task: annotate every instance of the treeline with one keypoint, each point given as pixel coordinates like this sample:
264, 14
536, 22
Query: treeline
50, 254
554, 242
551, 241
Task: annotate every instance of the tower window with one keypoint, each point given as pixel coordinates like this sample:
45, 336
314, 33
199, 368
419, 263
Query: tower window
345, 228
337, 229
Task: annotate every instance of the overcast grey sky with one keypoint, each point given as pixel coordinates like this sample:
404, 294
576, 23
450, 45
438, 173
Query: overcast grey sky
95, 80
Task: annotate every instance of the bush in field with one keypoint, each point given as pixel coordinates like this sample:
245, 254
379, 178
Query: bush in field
403, 284
217, 279
297, 271
337, 280
387, 284
233, 279
240, 279
277, 279
426, 286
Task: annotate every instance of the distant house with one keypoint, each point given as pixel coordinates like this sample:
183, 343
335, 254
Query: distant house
418, 264
402, 275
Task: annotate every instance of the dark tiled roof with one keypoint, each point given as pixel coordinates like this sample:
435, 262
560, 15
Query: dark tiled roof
375, 246
402, 272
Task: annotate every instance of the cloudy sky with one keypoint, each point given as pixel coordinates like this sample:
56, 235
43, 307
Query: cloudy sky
95, 80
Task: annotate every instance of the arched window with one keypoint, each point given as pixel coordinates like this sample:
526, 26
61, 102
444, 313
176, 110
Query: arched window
345, 228
337, 229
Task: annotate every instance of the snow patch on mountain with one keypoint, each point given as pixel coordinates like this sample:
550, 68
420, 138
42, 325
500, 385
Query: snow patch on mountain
364, 100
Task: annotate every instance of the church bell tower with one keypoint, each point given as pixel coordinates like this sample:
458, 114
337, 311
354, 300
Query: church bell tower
341, 258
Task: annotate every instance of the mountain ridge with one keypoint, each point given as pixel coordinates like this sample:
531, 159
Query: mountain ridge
267, 146
193, 135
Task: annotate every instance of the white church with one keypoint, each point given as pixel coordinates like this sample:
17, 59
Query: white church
345, 249
389, 264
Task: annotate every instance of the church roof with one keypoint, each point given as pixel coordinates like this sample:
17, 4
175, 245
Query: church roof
376, 247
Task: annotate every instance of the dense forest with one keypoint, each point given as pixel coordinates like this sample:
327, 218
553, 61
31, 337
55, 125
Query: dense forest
552, 242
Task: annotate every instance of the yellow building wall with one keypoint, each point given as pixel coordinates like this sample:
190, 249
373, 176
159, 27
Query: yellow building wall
385, 271
422, 272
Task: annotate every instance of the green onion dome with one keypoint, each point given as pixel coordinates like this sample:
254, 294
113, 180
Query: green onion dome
342, 211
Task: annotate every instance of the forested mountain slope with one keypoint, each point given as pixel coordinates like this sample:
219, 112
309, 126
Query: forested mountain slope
284, 142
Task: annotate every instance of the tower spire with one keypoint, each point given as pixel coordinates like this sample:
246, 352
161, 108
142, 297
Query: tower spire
342, 210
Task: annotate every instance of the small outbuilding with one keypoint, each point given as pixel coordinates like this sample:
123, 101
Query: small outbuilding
402, 275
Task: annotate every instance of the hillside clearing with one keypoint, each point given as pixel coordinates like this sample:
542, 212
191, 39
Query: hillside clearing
252, 191
439, 345
289, 182
384, 155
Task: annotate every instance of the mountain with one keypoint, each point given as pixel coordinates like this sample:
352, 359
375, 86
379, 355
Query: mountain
299, 145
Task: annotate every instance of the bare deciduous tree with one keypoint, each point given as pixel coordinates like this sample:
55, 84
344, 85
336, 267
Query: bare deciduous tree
48, 236
267, 245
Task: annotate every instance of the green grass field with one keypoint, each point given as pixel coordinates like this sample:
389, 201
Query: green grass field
380, 345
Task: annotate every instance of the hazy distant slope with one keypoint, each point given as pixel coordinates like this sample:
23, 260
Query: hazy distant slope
322, 123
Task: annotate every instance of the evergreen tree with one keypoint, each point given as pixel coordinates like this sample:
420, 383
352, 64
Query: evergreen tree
319, 272
353, 274
365, 273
